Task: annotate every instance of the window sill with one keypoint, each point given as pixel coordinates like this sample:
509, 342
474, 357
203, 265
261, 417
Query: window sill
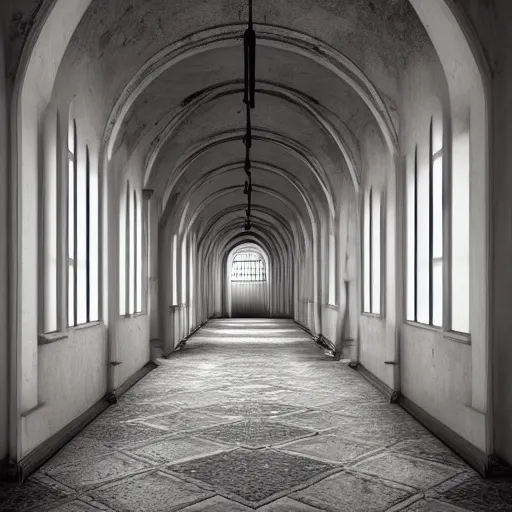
457, 337
53, 337
133, 315
332, 306
81, 327
426, 327
373, 315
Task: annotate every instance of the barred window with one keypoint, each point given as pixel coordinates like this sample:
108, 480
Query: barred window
248, 267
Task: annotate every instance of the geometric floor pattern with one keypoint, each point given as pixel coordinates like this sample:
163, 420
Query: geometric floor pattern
251, 414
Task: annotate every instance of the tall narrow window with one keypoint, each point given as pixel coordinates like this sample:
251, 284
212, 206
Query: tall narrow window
124, 219
83, 235
460, 232
50, 222
371, 252
93, 254
130, 254
132, 251
174, 277
411, 216
436, 235
332, 270
367, 284
138, 254
424, 198
72, 219
184, 271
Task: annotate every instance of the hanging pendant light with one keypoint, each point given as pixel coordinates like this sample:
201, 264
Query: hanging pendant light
249, 100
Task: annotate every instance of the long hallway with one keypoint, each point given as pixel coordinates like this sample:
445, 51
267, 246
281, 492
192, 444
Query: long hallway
251, 414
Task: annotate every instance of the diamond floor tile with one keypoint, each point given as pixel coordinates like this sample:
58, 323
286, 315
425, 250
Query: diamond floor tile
154, 492
254, 434
288, 505
217, 504
250, 408
329, 448
74, 506
119, 434
79, 448
15, 498
176, 449
417, 473
184, 421
432, 506
479, 495
351, 493
429, 449
251, 475
95, 471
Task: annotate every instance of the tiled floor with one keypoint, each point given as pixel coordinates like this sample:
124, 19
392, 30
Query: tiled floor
253, 415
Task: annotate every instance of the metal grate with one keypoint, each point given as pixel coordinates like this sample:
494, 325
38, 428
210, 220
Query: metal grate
248, 267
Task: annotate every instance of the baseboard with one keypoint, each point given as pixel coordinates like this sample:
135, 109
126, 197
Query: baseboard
389, 393
123, 388
47, 449
489, 466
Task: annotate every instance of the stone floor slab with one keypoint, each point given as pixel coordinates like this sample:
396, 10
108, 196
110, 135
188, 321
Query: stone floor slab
479, 495
254, 434
346, 492
176, 449
88, 472
183, 421
414, 472
329, 448
15, 498
253, 475
151, 492
288, 505
217, 504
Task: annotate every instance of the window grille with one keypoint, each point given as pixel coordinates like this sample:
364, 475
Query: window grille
248, 267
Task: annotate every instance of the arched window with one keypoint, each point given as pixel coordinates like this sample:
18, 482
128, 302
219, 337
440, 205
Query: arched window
372, 252
83, 235
332, 275
174, 270
248, 266
130, 254
425, 246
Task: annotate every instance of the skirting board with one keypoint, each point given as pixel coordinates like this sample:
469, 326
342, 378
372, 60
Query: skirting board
388, 392
489, 466
47, 449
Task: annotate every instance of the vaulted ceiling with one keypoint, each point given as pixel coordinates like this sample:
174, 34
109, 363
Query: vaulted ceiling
165, 78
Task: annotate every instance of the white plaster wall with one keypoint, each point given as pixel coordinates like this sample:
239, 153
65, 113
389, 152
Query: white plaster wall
134, 347
435, 371
436, 375
377, 332
330, 316
72, 377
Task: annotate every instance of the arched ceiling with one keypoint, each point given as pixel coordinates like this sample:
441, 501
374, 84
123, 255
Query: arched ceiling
165, 80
